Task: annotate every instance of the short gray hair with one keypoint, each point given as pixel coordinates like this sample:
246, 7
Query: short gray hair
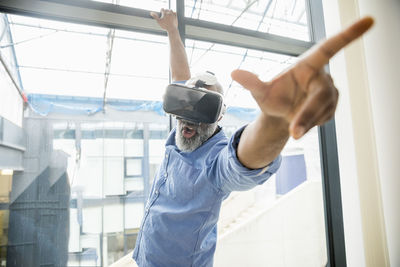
218, 88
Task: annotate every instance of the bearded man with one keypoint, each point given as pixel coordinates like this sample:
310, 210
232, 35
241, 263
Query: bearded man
202, 166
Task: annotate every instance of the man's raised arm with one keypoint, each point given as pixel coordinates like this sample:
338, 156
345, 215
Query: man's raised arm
295, 101
178, 59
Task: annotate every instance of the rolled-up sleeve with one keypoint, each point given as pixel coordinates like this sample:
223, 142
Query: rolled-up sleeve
229, 174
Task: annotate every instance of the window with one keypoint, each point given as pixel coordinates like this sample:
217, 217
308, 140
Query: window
286, 18
216, 57
70, 60
292, 197
97, 130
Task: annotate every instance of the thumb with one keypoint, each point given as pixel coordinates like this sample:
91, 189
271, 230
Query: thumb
248, 80
154, 15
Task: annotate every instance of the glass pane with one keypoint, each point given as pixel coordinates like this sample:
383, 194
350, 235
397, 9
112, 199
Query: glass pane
88, 175
78, 162
216, 57
103, 200
114, 176
113, 147
74, 172
70, 60
133, 214
134, 186
113, 218
158, 135
133, 148
282, 221
135, 74
115, 247
286, 18
67, 60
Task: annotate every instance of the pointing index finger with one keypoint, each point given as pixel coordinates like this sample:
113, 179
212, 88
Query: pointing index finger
320, 55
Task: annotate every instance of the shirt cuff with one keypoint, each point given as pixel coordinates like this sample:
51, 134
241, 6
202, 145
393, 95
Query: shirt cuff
271, 168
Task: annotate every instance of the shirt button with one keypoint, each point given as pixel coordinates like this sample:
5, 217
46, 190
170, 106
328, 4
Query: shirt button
157, 192
166, 156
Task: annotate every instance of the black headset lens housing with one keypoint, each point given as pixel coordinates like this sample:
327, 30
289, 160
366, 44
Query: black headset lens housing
196, 105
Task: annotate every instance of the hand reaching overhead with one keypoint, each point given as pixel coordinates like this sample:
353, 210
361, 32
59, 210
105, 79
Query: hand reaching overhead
167, 19
304, 95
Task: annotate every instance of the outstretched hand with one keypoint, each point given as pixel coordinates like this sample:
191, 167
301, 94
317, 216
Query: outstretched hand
304, 95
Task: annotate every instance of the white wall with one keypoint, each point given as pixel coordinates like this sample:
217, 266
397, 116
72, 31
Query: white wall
382, 61
347, 155
289, 233
368, 77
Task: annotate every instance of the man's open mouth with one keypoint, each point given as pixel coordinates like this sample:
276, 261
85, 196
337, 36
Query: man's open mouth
188, 132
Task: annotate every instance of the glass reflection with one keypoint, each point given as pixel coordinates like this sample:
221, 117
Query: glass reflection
282, 221
285, 18
80, 199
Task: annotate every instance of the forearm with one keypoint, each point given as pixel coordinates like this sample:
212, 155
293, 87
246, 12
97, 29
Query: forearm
262, 141
180, 70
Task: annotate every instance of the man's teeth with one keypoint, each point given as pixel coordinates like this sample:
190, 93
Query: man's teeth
187, 128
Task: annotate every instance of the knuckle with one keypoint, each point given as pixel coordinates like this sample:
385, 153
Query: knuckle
329, 77
325, 94
328, 92
306, 117
331, 107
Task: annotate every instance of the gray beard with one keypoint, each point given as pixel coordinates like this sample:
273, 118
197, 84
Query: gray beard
203, 132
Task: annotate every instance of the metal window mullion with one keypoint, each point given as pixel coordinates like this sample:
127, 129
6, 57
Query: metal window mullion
180, 12
85, 12
311, 33
250, 39
335, 241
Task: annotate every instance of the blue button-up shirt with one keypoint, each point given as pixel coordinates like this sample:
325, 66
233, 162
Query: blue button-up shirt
179, 227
